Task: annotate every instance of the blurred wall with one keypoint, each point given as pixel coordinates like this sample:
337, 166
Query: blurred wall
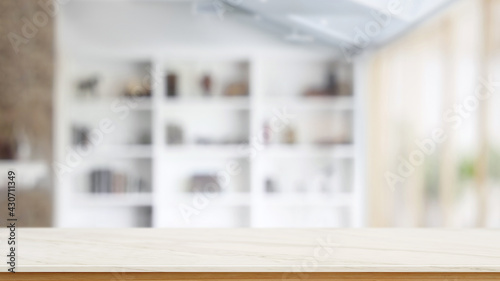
26, 87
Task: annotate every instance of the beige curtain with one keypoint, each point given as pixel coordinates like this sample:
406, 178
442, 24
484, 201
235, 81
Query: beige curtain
415, 177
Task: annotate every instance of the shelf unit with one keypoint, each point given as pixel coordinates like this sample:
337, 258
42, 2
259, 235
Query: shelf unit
136, 199
223, 137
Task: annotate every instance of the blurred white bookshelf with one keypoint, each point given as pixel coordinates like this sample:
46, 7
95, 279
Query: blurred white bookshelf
224, 103
309, 151
124, 151
87, 104
234, 199
312, 103
312, 199
135, 199
171, 145
201, 151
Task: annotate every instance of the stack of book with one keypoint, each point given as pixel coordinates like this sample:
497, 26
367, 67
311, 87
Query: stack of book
107, 181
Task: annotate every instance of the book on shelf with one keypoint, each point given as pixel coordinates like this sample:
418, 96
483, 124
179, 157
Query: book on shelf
108, 181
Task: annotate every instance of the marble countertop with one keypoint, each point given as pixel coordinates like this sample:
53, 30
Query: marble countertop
255, 250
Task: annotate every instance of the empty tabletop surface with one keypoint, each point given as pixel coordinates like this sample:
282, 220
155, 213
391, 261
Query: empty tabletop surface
255, 250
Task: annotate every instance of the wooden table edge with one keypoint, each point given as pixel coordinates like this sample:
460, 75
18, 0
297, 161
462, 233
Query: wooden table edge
234, 276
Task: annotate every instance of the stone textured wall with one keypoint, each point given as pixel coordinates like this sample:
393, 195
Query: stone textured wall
26, 77
26, 92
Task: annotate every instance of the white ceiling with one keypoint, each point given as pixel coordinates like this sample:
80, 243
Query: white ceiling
336, 21
315, 25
